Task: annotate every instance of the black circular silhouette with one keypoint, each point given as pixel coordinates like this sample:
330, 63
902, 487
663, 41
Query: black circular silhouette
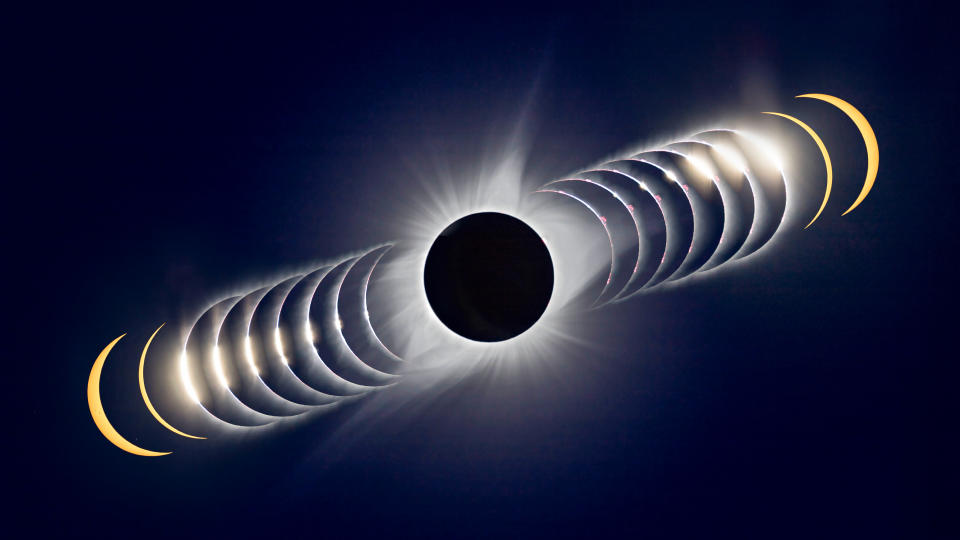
488, 277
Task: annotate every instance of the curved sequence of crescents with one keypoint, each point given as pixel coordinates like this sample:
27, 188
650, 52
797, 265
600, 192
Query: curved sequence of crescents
300, 345
688, 206
310, 333
307, 343
695, 204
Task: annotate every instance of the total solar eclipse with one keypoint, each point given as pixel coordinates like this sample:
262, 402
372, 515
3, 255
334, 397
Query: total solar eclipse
488, 277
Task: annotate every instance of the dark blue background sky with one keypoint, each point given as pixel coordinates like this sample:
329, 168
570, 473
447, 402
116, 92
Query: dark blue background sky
159, 156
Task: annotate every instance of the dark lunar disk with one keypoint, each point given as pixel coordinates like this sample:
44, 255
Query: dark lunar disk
488, 277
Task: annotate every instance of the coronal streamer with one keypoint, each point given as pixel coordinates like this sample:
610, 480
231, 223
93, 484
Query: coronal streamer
309, 342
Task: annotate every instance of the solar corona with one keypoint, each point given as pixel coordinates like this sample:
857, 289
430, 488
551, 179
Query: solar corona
489, 272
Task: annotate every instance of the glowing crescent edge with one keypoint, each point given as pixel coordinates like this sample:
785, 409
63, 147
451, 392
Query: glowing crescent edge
606, 229
146, 398
869, 139
100, 417
826, 161
626, 207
